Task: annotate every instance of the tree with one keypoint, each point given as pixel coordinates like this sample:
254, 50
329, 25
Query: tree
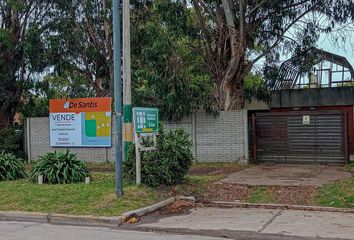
237, 34
23, 27
51, 87
167, 72
82, 43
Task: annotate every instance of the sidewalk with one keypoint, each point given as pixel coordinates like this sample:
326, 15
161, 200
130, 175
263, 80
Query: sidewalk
262, 221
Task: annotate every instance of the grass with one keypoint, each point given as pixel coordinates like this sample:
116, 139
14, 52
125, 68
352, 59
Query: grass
350, 167
194, 185
339, 194
97, 198
260, 195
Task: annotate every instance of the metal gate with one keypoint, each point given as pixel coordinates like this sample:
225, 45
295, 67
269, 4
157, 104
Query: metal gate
314, 137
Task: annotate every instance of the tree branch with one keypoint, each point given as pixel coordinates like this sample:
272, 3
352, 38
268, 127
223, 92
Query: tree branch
280, 37
203, 26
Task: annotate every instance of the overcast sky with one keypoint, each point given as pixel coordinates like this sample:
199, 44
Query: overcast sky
345, 49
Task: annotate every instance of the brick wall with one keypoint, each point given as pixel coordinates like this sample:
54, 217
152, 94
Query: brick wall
215, 139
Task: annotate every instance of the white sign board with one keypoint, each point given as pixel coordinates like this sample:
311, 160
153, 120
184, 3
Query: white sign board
306, 120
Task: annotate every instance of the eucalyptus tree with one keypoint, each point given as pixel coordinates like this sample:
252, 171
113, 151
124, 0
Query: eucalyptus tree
23, 30
237, 34
81, 43
168, 71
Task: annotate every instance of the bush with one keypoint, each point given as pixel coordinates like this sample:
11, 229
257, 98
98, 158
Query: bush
59, 167
11, 167
11, 140
168, 165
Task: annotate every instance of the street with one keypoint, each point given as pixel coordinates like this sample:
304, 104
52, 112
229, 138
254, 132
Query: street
40, 231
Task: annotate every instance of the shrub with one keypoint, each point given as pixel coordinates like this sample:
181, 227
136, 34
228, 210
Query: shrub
11, 140
11, 167
59, 167
168, 165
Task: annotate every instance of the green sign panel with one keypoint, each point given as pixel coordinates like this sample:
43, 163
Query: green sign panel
146, 120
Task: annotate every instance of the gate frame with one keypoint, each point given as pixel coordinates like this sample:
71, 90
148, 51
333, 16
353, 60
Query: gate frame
315, 112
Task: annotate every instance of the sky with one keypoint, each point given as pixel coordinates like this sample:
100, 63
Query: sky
346, 49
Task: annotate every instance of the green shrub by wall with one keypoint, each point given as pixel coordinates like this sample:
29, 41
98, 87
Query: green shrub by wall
11, 167
168, 165
11, 141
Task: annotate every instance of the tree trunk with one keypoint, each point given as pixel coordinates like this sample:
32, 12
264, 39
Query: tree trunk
232, 92
231, 69
5, 117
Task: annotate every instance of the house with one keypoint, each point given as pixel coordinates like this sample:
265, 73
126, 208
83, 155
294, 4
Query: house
311, 116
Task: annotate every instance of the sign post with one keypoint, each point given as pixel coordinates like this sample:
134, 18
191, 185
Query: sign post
146, 124
118, 111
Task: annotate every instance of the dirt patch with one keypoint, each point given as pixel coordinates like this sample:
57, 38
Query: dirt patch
101, 167
226, 192
293, 195
224, 169
179, 206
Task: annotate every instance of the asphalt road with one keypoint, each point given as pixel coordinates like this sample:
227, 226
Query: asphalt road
40, 231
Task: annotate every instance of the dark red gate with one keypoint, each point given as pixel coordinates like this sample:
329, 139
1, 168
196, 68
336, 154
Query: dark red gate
314, 137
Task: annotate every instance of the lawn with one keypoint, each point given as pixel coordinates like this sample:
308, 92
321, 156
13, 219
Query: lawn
339, 194
97, 198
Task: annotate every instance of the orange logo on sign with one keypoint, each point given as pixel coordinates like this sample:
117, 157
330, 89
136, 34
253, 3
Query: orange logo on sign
78, 105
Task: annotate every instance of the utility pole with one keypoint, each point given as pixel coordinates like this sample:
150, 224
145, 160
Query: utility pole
117, 95
127, 97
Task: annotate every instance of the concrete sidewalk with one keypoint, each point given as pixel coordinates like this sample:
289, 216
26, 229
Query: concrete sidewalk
262, 221
288, 175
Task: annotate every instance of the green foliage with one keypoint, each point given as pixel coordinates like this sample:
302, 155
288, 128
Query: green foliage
54, 86
168, 72
168, 165
59, 167
11, 140
256, 88
23, 55
11, 167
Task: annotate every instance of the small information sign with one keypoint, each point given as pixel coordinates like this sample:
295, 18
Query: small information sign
306, 120
146, 120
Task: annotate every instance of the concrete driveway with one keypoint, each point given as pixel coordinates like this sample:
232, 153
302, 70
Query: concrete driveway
288, 175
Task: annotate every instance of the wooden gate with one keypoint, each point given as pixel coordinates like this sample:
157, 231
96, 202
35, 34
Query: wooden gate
314, 137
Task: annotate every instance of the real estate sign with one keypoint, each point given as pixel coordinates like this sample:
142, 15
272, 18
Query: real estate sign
80, 122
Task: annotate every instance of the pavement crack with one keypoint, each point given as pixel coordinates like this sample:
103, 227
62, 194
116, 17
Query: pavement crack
270, 221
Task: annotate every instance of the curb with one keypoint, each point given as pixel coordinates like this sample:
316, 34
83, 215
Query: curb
277, 206
60, 219
86, 220
145, 210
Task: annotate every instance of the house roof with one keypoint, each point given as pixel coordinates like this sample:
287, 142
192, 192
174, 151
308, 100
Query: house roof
290, 72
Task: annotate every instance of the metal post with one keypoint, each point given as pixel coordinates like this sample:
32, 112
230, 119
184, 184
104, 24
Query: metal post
117, 96
127, 97
137, 152
254, 134
138, 159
